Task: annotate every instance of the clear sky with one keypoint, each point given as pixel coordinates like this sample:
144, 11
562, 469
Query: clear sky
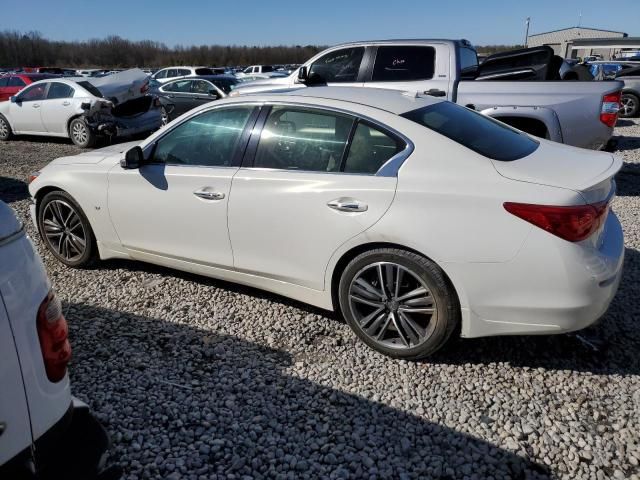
303, 22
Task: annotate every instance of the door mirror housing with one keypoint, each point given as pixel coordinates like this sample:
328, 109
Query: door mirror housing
303, 74
14, 99
133, 158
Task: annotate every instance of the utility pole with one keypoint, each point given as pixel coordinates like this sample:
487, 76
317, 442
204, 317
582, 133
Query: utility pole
526, 33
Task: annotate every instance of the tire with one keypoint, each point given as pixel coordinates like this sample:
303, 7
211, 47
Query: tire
630, 105
433, 314
5, 129
68, 237
80, 133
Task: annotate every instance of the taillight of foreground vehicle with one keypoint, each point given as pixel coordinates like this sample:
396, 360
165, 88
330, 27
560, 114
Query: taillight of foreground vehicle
572, 223
610, 108
53, 333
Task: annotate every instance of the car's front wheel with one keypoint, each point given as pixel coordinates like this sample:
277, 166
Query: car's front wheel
66, 231
630, 105
5, 129
81, 134
398, 302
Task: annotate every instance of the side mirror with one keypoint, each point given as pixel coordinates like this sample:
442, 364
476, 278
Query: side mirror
132, 159
303, 74
213, 93
14, 99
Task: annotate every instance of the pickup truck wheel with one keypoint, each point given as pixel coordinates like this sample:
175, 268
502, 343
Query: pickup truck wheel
5, 129
80, 134
66, 231
630, 105
398, 302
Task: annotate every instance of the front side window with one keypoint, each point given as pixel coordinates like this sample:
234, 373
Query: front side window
181, 86
473, 130
16, 82
59, 90
33, 93
172, 72
209, 139
403, 63
248, 70
161, 74
338, 66
303, 139
370, 149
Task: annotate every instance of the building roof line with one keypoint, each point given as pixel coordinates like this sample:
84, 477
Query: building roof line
571, 28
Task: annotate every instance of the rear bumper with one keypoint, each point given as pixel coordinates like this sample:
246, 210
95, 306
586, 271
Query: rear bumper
125, 126
74, 448
551, 286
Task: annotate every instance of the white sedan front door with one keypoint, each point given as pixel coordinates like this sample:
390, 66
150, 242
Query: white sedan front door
25, 112
305, 194
175, 207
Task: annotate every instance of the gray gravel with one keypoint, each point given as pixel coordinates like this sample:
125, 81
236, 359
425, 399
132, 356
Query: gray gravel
196, 378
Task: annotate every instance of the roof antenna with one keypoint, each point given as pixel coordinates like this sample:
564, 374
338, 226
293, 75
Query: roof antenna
580, 19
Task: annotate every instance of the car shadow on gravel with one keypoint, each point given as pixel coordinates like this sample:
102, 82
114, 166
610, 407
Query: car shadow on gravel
628, 180
178, 400
627, 143
609, 347
12, 190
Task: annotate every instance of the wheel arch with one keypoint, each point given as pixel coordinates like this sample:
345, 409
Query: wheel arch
356, 250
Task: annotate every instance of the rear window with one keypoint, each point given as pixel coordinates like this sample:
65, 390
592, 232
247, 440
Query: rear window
480, 133
204, 71
91, 89
398, 63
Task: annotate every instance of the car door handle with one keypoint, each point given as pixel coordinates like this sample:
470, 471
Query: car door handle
66, 103
36, 105
209, 195
347, 205
434, 92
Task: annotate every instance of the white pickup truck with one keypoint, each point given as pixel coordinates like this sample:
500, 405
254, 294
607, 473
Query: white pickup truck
521, 88
45, 433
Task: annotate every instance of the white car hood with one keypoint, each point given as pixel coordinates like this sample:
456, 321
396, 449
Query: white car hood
95, 156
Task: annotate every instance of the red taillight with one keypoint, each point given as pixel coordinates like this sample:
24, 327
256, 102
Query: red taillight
610, 109
53, 333
573, 223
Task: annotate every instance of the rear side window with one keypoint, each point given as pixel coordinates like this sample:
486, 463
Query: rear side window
184, 72
267, 68
370, 149
16, 82
480, 133
59, 90
394, 64
179, 86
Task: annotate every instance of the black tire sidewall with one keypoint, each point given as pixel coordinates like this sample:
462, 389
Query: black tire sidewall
636, 101
90, 254
446, 301
91, 137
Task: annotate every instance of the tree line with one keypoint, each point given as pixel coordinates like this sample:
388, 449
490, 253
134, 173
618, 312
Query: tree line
30, 49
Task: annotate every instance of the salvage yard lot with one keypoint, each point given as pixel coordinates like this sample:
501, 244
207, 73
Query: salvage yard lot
195, 377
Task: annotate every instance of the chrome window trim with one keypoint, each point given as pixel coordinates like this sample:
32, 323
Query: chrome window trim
388, 169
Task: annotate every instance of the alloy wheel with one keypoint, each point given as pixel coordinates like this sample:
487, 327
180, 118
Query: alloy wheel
4, 128
80, 132
63, 230
392, 305
628, 105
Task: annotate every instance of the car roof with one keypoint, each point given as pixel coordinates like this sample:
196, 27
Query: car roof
393, 41
393, 101
204, 77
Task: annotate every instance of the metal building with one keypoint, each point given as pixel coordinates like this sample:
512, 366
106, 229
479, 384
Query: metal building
562, 41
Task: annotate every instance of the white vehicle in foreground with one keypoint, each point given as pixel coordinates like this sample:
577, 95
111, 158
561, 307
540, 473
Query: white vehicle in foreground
82, 109
409, 215
45, 433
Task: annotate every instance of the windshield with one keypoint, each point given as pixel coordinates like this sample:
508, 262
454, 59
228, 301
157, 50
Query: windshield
480, 133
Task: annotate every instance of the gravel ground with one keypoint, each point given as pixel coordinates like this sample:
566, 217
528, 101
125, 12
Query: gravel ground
196, 378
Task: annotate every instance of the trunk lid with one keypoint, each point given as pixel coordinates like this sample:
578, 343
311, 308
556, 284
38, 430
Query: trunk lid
553, 164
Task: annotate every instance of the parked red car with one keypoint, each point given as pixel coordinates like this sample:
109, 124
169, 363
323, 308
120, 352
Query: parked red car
13, 83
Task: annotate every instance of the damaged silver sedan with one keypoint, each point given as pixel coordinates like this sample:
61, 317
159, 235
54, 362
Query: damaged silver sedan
83, 109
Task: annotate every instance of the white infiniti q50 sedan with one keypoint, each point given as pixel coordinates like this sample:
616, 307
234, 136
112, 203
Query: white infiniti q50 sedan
413, 217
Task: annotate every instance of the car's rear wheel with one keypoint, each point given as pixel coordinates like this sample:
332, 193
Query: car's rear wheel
66, 231
5, 129
630, 104
398, 302
81, 134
